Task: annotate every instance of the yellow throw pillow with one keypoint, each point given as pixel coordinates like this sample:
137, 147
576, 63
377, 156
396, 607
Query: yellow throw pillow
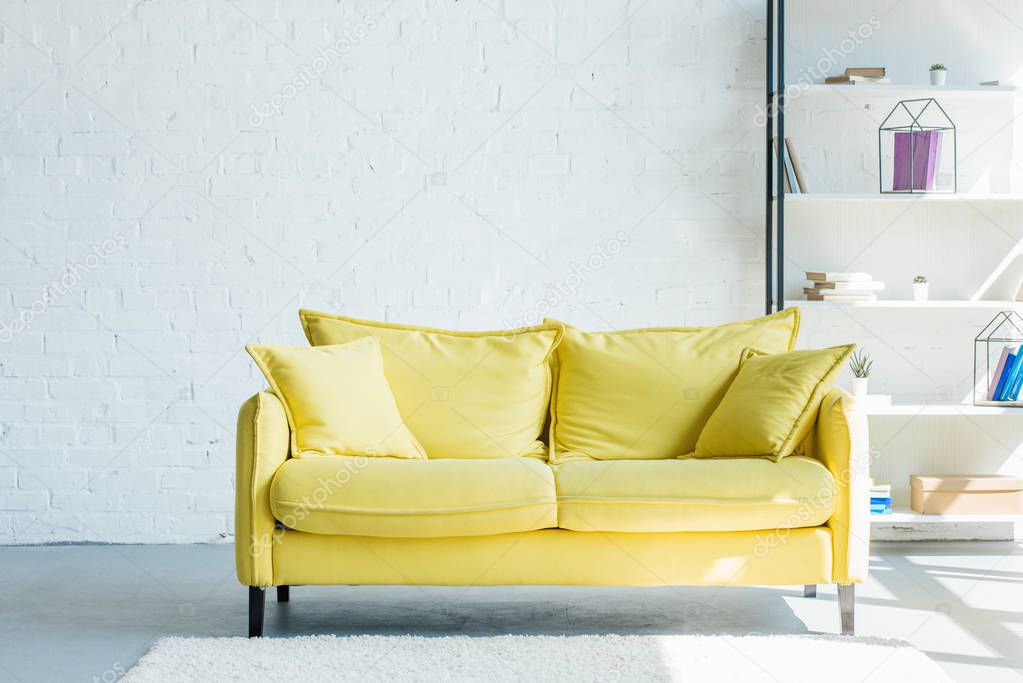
463, 394
337, 400
646, 394
772, 404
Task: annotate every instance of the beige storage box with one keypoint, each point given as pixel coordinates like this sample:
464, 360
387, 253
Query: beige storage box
979, 494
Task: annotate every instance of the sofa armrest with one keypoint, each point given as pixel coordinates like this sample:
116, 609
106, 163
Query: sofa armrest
263, 438
841, 443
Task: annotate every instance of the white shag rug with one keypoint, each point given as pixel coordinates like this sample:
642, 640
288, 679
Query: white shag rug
494, 659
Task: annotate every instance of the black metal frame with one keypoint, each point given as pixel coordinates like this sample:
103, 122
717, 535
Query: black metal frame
992, 334
774, 199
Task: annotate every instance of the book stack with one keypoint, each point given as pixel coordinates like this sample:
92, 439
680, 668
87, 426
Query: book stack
841, 287
880, 498
871, 74
1007, 378
794, 178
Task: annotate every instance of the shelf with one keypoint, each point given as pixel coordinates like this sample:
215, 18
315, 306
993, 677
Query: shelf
907, 91
1000, 404
940, 409
906, 525
908, 303
791, 197
906, 515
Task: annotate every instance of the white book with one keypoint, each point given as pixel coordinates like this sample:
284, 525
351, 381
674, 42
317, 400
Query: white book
841, 297
833, 295
855, 284
884, 80
838, 277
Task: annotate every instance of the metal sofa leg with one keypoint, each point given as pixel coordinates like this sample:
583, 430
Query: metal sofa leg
810, 590
257, 596
283, 593
847, 607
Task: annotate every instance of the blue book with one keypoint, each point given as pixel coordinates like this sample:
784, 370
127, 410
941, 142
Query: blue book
880, 510
881, 501
1008, 373
1014, 372
1013, 393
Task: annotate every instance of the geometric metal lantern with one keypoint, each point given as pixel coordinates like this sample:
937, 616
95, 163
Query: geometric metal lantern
1005, 329
916, 147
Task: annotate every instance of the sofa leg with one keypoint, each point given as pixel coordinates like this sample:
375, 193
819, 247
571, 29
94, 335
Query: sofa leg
283, 593
810, 590
847, 607
257, 597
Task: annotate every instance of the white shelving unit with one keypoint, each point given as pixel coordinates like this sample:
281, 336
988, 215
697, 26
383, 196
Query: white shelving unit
968, 244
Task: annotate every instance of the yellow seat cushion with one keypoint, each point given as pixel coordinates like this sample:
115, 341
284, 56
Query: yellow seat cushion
646, 394
463, 394
772, 404
738, 494
414, 498
336, 399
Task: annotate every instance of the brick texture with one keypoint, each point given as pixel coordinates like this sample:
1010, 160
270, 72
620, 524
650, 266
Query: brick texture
179, 177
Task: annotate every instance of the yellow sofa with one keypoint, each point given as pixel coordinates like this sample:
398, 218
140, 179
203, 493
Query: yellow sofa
508, 521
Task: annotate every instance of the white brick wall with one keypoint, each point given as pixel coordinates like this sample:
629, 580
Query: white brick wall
448, 164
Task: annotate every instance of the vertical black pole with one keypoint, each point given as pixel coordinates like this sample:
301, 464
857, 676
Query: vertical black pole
780, 85
769, 194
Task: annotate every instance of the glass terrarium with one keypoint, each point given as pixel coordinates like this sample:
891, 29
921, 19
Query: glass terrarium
917, 149
997, 378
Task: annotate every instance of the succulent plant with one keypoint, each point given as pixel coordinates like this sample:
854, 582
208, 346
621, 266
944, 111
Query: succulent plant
919, 280
938, 67
860, 364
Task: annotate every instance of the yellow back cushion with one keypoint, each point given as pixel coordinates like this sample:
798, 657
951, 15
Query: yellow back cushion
336, 399
463, 394
646, 394
772, 404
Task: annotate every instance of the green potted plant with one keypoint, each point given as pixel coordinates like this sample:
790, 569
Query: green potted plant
938, 74
860, 364
921, 288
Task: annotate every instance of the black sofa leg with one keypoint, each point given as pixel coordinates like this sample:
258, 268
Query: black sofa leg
257, 596
847, 607
283, 593
810, 590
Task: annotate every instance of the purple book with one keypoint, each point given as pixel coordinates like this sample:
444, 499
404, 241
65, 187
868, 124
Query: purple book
933, 152
916, 156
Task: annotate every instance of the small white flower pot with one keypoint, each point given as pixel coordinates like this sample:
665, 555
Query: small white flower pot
938, 77
920, 291
859, 386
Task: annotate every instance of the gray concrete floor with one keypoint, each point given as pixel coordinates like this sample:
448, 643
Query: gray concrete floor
89, 612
